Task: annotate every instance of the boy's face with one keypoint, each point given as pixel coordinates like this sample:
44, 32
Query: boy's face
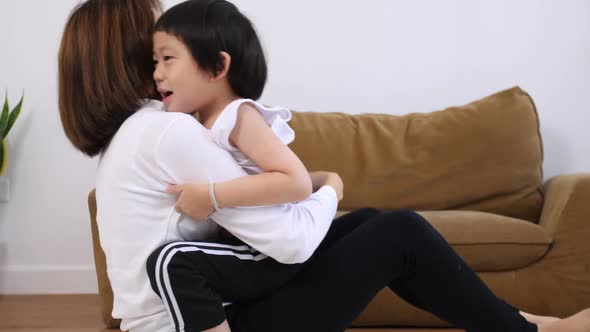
181, 82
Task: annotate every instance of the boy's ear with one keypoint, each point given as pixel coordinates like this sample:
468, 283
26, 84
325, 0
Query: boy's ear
224, 68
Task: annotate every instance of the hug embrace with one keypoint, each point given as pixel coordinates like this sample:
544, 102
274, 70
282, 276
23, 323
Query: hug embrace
208, 220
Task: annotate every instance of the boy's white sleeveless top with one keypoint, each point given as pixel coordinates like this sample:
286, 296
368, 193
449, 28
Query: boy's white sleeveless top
276, 117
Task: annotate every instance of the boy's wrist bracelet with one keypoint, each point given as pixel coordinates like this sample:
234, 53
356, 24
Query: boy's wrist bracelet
212, 195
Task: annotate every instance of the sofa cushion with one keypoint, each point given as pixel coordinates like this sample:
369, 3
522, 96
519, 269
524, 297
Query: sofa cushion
489, 242
484, 156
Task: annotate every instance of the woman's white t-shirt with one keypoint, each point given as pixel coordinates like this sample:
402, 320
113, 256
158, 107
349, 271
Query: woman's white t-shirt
152, 149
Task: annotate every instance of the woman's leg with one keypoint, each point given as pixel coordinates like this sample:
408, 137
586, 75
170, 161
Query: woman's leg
347, 223
341, 280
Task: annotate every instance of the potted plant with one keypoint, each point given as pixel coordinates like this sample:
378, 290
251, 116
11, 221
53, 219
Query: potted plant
7, 120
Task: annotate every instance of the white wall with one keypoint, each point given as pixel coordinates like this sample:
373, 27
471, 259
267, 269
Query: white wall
371, 56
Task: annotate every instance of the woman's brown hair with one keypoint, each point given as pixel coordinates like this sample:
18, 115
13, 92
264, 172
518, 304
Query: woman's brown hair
105, 68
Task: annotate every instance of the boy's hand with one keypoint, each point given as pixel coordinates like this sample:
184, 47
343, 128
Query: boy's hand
318, 179
322, 178
193, 199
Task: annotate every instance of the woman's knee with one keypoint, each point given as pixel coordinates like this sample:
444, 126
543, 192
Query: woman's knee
402, 222
366, 213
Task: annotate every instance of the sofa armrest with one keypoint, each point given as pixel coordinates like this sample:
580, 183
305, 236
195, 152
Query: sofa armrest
566, 209
560, 279
104, 286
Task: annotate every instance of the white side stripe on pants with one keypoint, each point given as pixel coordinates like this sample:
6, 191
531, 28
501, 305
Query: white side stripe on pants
166, 256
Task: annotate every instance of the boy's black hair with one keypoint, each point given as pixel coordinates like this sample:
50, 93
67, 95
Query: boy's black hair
208, 27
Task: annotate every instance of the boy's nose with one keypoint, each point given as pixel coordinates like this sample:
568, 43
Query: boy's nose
158, 76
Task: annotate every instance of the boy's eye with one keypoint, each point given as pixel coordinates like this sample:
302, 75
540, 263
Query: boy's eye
167, 57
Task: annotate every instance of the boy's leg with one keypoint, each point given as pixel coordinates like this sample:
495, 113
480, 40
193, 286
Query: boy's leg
208, 275
196, 279
329, 293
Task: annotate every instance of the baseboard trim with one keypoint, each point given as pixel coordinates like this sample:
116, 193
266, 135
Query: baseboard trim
25, 279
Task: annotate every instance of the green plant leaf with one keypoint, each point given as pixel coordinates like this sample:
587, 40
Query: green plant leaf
2, 157
4, 115
13, 116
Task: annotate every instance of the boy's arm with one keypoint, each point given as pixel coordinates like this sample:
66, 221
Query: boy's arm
285, 178
194, 199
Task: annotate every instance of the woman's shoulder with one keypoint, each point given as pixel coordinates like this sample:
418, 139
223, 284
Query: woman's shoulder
151, 123
153, 112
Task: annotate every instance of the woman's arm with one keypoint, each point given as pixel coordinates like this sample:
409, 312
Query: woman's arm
289, 233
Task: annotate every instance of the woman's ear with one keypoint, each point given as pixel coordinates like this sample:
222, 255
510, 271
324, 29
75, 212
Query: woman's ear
224, 68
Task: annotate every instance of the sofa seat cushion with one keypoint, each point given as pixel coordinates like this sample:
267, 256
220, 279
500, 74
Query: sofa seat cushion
490, 242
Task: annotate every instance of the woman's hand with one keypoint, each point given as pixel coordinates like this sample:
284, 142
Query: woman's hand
332, 179
193, 199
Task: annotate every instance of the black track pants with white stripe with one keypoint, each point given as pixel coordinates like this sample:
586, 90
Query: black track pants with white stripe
196, 279
362, 253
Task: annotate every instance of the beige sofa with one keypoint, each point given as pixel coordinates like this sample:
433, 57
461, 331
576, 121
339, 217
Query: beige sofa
475, 172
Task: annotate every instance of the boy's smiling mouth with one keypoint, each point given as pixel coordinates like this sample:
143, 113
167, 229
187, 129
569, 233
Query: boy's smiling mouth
165, 94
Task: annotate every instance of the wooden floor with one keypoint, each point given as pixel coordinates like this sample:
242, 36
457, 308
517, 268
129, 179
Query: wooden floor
50, 313
67, 313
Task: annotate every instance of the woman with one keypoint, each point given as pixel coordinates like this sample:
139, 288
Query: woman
108, 108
